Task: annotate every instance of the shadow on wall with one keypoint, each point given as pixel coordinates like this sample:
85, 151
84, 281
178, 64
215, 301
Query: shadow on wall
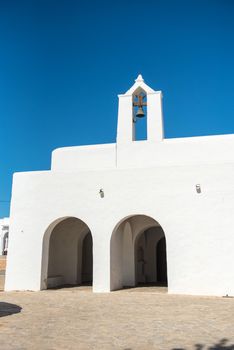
7, 309
221, 345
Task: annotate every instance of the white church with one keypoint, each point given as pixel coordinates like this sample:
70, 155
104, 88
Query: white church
136, 212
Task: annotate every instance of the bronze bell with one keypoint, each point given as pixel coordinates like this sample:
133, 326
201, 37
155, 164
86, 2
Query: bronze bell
140, 113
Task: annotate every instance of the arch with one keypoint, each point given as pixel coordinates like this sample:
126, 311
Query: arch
130, 252
66, 253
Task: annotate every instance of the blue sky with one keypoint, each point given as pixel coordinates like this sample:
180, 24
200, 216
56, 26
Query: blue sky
62, 64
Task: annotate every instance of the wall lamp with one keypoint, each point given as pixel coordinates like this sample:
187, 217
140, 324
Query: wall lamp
101, 193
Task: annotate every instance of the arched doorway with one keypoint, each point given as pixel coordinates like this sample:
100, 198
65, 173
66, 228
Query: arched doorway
69, 247
138, 253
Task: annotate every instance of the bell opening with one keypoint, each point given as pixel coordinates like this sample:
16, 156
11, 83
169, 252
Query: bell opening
139, 115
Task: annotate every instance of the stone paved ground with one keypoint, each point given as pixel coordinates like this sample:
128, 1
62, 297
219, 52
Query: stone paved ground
134, 319
2, 280
2, 262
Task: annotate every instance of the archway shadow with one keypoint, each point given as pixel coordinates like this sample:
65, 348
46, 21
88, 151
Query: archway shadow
221, 345
70, 286
7, 309
160, 287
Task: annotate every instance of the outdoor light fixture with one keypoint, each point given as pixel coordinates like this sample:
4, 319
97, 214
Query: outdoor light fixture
198, 188
101, 192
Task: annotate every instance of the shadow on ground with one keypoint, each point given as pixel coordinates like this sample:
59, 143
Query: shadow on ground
7, 309
221, 345
71, 286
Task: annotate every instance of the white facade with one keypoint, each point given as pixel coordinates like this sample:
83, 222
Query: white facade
130, 195
4, 233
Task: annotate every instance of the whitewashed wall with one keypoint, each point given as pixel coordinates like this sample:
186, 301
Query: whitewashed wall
156, 178
198, 227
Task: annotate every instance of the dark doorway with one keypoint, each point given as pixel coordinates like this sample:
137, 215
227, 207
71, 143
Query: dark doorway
161, 261
87, 260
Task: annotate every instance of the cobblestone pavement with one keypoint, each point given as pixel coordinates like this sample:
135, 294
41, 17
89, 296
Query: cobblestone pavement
132, 319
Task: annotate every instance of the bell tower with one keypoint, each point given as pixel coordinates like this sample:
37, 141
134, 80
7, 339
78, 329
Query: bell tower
140, 101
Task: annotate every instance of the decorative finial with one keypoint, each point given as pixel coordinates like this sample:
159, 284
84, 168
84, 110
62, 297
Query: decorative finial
139, 79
